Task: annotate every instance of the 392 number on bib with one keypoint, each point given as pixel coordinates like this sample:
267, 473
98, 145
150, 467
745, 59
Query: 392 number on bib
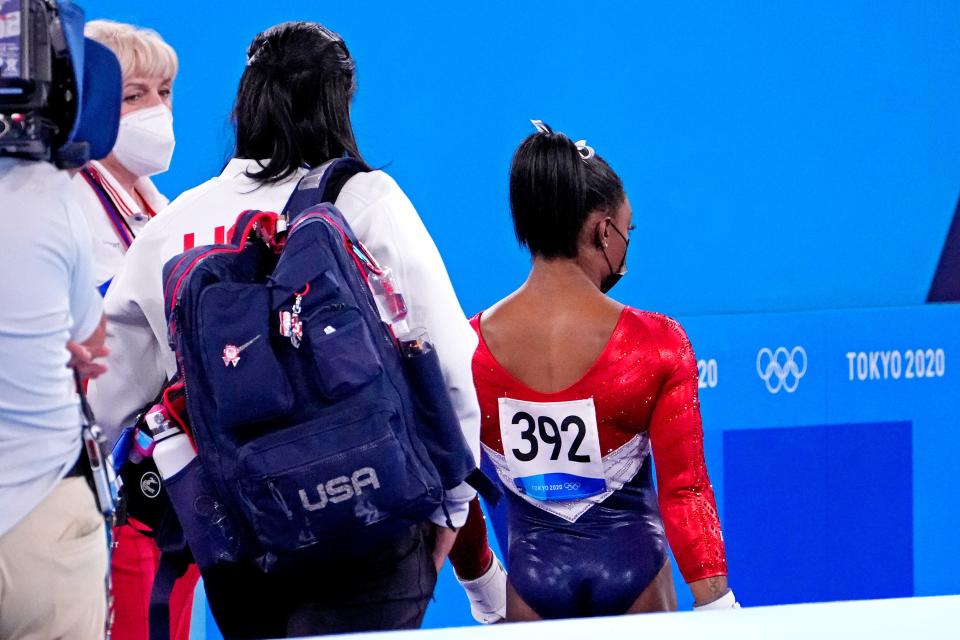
544, 429
552, 448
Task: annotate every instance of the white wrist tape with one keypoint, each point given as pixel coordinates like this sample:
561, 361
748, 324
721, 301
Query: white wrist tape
726, 601
488, 594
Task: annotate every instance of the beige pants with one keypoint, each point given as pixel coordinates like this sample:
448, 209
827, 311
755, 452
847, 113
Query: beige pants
52, 569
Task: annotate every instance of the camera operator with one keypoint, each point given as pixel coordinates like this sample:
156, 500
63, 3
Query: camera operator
53, 549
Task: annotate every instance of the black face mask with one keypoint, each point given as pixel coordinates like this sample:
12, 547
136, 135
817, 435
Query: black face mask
614, 277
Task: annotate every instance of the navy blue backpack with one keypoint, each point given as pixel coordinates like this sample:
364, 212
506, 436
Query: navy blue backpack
315, 436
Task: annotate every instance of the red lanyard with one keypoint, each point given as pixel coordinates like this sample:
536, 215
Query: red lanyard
146, 205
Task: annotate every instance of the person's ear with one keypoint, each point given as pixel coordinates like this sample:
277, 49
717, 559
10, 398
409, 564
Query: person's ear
598, 236
602, 232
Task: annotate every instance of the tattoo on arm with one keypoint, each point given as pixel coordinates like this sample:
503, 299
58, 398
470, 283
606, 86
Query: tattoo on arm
709, 589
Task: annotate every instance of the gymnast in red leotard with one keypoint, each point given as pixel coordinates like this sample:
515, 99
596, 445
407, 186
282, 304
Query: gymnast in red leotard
575, 389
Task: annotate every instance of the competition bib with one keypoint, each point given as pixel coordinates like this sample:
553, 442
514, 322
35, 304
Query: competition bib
552, 448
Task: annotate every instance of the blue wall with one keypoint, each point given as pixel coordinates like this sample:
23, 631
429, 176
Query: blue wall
779, 156
861, 502
787, 155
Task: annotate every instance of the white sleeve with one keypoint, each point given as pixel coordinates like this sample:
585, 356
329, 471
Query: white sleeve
85, 303
394, 233
136, 364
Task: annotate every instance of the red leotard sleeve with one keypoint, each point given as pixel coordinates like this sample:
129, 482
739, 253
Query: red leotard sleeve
686, 498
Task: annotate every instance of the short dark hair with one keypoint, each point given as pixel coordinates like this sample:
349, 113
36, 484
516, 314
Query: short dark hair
553, 189
293, 102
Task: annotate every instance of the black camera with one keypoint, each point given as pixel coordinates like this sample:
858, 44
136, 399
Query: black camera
38, 96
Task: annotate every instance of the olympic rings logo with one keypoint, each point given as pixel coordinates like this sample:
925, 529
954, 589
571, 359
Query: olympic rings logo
781, 369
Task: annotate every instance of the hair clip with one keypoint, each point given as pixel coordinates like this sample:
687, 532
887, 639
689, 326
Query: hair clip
586, 152
541, 126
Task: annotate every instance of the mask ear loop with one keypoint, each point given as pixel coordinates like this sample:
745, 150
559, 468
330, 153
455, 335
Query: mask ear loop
607, 258
603, 245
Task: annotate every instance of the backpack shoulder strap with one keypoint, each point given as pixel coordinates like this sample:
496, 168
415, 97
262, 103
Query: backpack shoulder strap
322, 184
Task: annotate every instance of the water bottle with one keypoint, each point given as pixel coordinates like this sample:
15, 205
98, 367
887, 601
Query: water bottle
172, 452
172, 449
390, 302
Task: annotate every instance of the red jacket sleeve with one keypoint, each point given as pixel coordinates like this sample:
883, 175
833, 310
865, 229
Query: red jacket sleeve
686, 498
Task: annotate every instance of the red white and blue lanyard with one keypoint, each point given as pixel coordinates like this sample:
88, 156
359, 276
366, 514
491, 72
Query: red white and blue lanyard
120, 226
109, 203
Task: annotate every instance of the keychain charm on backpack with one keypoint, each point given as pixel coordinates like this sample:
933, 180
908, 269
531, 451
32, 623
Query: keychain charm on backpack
291, 326
296, 325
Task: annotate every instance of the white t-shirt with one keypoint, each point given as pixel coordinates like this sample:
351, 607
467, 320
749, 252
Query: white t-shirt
381, 216
47, 297
108, 249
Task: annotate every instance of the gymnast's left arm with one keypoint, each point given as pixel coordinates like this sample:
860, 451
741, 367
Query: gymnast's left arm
687, 504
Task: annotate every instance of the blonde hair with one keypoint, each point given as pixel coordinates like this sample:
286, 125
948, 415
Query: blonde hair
142, 52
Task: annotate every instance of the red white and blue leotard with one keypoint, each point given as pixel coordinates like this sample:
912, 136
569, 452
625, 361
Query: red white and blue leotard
596, 555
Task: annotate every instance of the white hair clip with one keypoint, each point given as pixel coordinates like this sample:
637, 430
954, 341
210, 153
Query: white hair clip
586, 152
541, 127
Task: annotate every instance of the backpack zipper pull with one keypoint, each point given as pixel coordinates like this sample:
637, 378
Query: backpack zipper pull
278, 497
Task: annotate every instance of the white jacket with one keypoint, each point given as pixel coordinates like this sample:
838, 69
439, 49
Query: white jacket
108, 250
382, 217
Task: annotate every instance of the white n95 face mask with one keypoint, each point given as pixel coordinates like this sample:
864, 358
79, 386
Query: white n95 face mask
145, 141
